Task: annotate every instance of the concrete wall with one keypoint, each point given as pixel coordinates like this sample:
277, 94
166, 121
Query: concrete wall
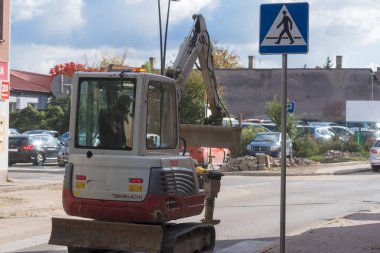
318, 93
4, 104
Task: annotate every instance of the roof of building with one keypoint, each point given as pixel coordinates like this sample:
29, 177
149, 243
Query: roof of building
28, 81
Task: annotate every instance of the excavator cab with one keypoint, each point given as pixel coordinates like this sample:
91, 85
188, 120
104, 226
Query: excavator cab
133, 112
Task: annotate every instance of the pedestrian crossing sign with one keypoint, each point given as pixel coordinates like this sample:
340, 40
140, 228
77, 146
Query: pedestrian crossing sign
284, 28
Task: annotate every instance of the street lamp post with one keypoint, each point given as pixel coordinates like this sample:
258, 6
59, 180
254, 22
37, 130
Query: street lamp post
372, 77
163, 47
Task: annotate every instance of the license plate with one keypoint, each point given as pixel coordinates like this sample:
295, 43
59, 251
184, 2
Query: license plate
260, 153
80, 185
135, 188
13, 149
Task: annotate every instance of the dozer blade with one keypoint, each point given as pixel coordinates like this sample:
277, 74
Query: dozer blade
210, 136
106, 235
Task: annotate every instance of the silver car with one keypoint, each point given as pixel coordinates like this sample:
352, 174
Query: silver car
374, 156
63, 154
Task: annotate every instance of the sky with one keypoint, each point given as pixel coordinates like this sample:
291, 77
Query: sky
49, 32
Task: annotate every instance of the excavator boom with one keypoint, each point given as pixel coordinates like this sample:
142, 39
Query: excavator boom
198, 46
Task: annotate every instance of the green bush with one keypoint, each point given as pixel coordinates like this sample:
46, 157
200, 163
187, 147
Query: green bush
334, 144
305, 146
352, 146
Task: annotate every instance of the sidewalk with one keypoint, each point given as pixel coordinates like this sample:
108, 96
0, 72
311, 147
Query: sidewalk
355, 233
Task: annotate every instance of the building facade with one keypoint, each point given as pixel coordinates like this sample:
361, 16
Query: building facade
318, 94
29, 89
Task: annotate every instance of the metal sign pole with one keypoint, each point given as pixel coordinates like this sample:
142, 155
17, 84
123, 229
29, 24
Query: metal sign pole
283, 152
275, 20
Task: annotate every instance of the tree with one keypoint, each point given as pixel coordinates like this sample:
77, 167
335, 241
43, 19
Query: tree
69, 68
106, 59
56, 117
192, 105
225, 58
274, 109
27, 119
60, 118
328, 64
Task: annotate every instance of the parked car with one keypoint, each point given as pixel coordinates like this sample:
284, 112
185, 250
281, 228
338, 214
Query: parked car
63, 153
269, 143
324, 134
53, 133
37, 149
343, 133
356, 126
369, 136
320, 134
271, 126
322, 123
374, 156
13, 131
303, 131
63, 137
255, 126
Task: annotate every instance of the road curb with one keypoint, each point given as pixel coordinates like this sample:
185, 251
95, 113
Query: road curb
351, 171
332, 172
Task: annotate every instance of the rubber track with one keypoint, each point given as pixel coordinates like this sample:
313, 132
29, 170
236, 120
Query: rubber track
173, 232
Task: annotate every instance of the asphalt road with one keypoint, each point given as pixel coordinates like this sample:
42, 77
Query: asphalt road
28, 172
248, 207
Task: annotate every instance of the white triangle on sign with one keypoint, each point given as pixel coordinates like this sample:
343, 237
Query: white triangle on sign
280, 28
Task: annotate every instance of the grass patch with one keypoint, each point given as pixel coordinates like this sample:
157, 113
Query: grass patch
356, 156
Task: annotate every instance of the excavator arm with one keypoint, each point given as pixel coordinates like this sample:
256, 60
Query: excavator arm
198, 46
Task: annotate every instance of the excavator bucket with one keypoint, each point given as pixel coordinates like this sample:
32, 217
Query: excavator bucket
76, 233
211, 136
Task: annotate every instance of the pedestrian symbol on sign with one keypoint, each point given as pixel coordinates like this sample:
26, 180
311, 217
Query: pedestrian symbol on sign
286, 22
283, 31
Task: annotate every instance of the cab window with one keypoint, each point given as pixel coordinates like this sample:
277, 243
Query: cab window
105, 113
161, 125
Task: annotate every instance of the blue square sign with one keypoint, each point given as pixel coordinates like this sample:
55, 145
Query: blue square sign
284, 28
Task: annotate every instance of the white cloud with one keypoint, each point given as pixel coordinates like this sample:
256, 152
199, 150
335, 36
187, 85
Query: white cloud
347, 19
57, 17
144, 16
184, 9
25, 10
40, 58
179, 10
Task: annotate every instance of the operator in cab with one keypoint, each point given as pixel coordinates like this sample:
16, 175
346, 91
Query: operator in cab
116, 125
